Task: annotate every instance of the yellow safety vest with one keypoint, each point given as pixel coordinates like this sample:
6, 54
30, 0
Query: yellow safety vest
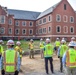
71, 58
31, 46
41, 45
57, 43
1, 49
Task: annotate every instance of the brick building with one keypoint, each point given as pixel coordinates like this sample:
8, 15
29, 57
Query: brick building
57, 21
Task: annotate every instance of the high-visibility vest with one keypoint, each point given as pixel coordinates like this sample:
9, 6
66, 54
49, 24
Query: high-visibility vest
31, 46
10, 61
63, 49
1, 49
41, 45
71, 58
57, 43
48, 52
19, 49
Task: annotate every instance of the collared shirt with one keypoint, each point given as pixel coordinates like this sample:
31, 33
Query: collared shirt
18, 63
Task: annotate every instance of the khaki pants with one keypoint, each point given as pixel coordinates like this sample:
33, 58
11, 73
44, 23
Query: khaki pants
41, 52
31, 54
70, 71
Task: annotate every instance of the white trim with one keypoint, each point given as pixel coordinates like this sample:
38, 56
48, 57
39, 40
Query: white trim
1, 19
8, 30
22, 31
17, 22
18, 30
29, 31
70, 19
44, 22
66, 29
23, 22
32, 24
57, 17
66, 18
44, 32
56, 28
70, 29
1, 30
50, 29
10, 23
50, 18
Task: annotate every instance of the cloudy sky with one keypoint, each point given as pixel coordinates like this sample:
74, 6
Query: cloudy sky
32, 5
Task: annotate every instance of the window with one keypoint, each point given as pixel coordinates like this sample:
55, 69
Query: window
40, 21
65, 18
58, 18
2, 19
23, 23
36, 31
23, 31
17, 31
65, 29
31, 31
40, 31
17, 23
10, 31
49, 18
44, 20
10, 21
2, 30
49, 29
64, 6
44, 30
71, 29
71, 19
58, 29
31, 24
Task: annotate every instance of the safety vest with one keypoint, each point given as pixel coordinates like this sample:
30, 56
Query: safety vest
41, 45
48, 52
71, 58
63, 49
1, 49
57, 43
17, 48
31, 46
10, 61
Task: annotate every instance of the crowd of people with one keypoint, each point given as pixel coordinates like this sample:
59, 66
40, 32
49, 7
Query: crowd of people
10, 59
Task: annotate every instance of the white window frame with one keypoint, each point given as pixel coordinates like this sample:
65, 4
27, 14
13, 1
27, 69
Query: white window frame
70, 19
18, 32
32, 24
22, 31
23, 23
42, 20
56, 28
50, 29
29, 31
44, 32
66, 29
57, 18
10, 21
66, 18
73, 30
8, 30
17, 23
1, 19
1, 30
39, 21
50, 18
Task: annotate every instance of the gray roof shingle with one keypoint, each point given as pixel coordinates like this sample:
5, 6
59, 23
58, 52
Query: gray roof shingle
20, 14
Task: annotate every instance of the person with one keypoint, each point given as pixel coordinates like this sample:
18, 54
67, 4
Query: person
10, 60
41, 47
19, 49
48, 53
62, 49
1, 48
31, 47
69, 60
73, 39
57, 44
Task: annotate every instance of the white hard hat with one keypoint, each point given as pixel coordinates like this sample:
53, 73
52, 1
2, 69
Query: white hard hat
63, 41
18, 42
73, 38
47, 40
31, 40
63, 38
72, 44
1, 41
41, 39
10, 42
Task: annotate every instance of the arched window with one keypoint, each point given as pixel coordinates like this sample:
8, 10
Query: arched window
72, 29
58, 29
58, 18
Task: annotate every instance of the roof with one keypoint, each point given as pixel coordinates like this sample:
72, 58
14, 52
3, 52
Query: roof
49, 10
20, 14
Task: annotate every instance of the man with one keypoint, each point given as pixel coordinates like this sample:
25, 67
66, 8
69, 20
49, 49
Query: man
1, 48
62, 49
10, 60
69, 60
31, 47
48, 53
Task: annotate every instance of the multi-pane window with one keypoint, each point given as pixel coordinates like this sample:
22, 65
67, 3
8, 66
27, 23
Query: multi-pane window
44, 30
71, 19
10, 21
31, 24
31, 31
65, 7
65, 18
49, 29
2, 19
71, 29
58, 18
23, 23
10, 31
49, 18
17, 31
2, 30
58, 29
44, 20
40, 21
40, 31
23, 31
36, 31
17, 23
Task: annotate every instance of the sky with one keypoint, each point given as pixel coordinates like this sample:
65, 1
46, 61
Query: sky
32, 5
